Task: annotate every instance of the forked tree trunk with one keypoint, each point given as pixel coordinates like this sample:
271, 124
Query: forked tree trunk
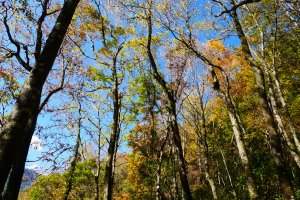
28, 101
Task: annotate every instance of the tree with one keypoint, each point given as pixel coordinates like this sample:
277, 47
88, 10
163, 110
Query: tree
70, 174
172, 109
187, 38
14, 141
273, 133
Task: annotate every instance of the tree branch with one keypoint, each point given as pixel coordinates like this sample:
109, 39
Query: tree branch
15, 43
236, 6
52, 92
39, 32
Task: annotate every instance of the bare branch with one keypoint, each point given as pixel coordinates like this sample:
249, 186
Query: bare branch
39, 32
15, 43
52, 92
236, 6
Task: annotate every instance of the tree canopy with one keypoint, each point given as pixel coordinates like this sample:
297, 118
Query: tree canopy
150, 99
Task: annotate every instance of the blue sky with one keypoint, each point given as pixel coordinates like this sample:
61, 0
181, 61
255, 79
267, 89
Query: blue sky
45, 120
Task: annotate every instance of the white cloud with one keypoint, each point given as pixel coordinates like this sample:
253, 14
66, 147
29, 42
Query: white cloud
36, 143
34, 167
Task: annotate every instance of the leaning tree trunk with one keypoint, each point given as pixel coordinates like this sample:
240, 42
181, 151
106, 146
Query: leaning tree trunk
228, 174
16, 174
268, 119
281, 128
243, 156
285, 109
28, 101
173, 115
15, 178
237, 131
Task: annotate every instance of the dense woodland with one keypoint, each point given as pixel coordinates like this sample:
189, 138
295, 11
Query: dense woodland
150, 99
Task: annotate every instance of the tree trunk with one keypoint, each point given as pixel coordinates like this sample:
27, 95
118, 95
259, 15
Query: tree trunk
271, 130
70, 175
177, 141
173, 161
111, 153
158, 193
228, 174
173, 116
15, 178
98, 162
209, 179
287, 136
28, 101
237, 131
274, 139
285, 109
243, 156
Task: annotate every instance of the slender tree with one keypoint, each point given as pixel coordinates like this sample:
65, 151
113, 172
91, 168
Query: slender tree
268, 118
172, 111
188, 41
70, 174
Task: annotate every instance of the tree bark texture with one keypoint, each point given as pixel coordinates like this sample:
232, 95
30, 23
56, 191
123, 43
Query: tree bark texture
27, 104
113, 143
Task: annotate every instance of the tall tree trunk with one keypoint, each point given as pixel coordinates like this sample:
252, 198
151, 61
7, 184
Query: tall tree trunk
208, 177
243, 156
71, 171
15, 177
271, 129
269, 69
28, 101
173, 115
181, 161
285, 108
97, 183
16, 174
173, 162
237, 131
157, 181
158, 193
228, 174
281, 129
98, 162
273, 78
111, 153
